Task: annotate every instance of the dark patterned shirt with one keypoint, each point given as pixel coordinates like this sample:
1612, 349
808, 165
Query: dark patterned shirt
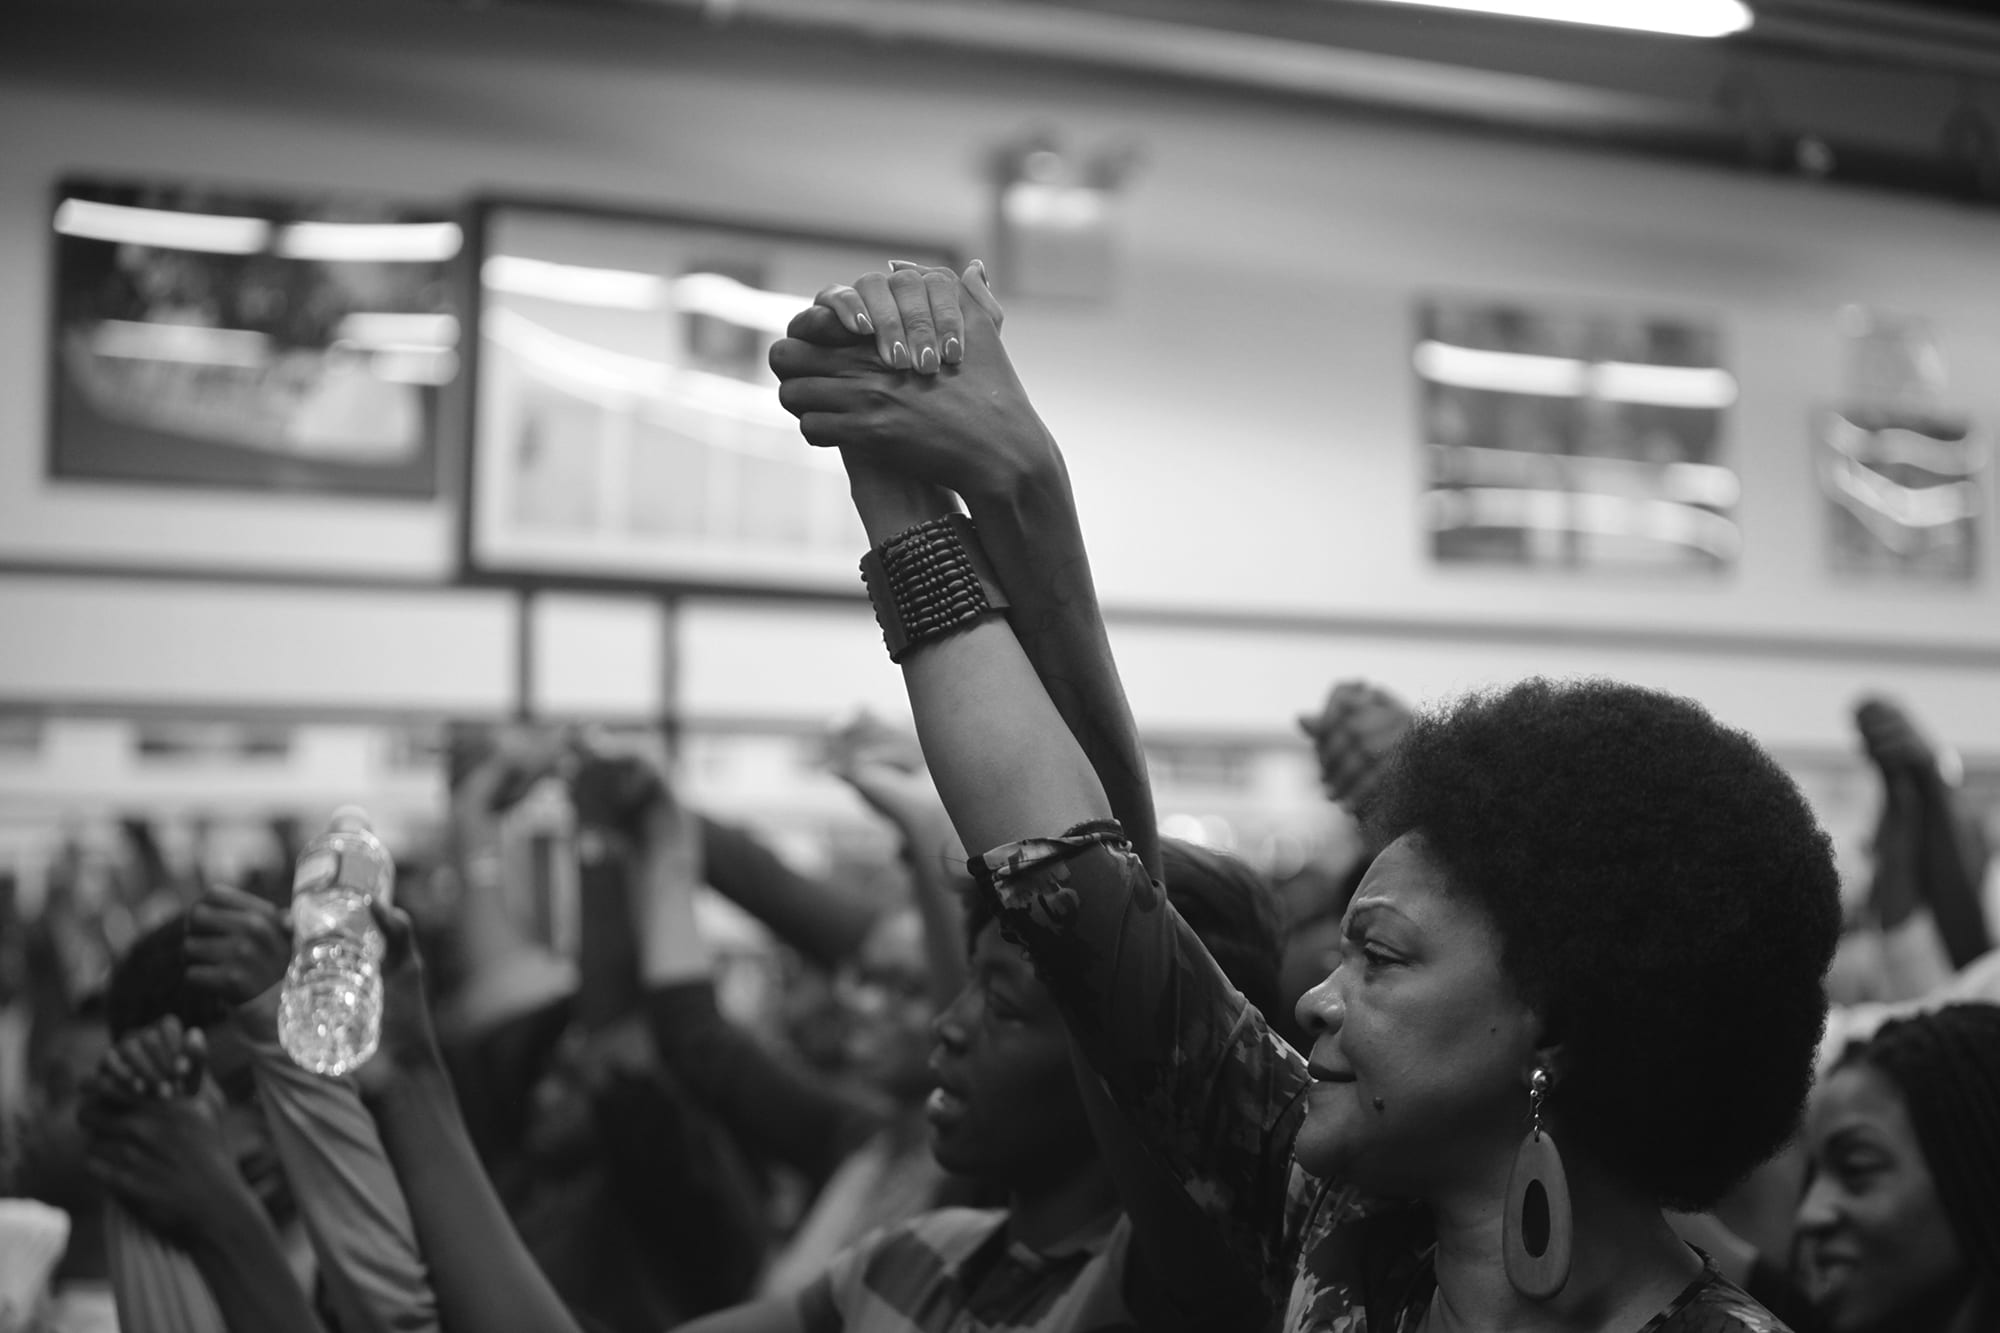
956, 1270
1219, 1097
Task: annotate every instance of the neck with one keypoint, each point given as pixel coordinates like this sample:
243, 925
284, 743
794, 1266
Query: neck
1626, 1262
1042, 1215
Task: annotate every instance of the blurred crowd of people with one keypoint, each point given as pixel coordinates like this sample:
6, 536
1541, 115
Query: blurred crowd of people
1019, 1093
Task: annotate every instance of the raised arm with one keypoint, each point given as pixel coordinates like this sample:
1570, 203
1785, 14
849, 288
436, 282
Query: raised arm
1207, 1087
1019, 494
346, 1191
781, 1109
483, 1276
156, 1145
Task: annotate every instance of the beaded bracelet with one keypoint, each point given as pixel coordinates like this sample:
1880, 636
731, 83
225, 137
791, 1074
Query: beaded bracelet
929, 581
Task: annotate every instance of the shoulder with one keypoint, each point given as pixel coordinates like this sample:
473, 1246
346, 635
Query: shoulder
1717, 1305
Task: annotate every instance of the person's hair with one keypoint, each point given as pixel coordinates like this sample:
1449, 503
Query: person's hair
1946, 1066
1228, 905
150, 982
1665, 901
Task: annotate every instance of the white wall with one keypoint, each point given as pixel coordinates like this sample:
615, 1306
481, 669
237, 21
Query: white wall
1240, 420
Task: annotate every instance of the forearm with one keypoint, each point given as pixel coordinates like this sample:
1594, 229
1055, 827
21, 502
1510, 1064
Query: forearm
1034, 540
608, 954
820, 920
935, 886
1893, 894
780, 1110
1946, 877
239, 1257
347, 1192
483, 1276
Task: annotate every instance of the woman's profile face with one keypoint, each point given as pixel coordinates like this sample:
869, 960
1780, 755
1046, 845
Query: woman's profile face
1875, 1247
1421, 1050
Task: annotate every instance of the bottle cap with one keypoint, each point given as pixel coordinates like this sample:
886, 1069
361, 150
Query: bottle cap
350, 818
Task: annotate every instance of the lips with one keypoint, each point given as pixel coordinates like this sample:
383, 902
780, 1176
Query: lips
947, 1103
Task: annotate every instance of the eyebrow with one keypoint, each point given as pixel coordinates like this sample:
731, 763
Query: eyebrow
1373, 907
1849, 1137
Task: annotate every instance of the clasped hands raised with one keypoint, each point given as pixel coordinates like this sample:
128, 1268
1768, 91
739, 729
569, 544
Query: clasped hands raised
904, 373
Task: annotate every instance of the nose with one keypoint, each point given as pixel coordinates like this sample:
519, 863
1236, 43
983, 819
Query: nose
1323, 1008
1819, 1210
951, 1025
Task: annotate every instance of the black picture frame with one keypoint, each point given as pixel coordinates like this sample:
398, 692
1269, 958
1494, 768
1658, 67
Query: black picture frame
558, 540
304, 342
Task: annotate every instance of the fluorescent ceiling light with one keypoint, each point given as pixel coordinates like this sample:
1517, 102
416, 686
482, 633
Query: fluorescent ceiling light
372, 328
1674, 18
1500, 372
727, 299
165, 228
189, 344
1663, 386
612, 288
1569, 377
371, 242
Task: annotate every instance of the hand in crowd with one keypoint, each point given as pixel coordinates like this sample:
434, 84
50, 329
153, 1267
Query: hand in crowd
408, 1043
912, 314
1352, 734
1892, 738
907, 800
238, 945
153, 1126
154, 1062
969, 428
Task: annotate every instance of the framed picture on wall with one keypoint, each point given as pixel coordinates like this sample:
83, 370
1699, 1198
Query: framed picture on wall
1565, 439
625, 427
266, 339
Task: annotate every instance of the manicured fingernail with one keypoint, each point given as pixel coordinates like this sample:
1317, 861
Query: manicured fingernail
865, 324
927, 360
954, 351
899, 356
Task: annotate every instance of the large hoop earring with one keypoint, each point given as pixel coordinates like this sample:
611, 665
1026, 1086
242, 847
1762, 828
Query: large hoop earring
1539, 1231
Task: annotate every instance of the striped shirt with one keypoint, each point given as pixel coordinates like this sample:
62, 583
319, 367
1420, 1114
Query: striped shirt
956, 1270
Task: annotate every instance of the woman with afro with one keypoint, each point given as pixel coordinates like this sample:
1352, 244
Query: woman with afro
1581, 982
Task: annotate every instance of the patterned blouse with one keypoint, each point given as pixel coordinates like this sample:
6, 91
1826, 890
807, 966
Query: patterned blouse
1219, 1097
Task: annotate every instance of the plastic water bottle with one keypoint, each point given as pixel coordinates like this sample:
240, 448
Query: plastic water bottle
330, 1013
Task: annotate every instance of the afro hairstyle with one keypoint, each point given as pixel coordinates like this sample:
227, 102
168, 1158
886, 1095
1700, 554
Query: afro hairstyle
1665, 901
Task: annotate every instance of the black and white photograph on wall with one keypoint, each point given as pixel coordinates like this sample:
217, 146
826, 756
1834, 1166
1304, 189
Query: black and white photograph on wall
260, 339
626, 427
1575, 440
1904, 470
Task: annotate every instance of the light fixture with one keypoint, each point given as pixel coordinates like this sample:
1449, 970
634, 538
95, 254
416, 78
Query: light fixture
166, 228
1568, 377
1673, 18
575, 284
189, 344
370, 242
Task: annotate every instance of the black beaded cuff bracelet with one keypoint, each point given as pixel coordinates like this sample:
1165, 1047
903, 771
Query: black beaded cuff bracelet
929, 581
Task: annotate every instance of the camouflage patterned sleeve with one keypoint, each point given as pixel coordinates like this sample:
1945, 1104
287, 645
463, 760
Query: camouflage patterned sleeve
1216, 1095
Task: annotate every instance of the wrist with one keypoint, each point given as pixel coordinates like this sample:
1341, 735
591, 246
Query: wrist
229, 1227
1027, 472
889, 503
256, 1019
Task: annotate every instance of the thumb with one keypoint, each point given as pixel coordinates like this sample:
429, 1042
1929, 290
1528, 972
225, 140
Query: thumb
980, 288
398, 936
